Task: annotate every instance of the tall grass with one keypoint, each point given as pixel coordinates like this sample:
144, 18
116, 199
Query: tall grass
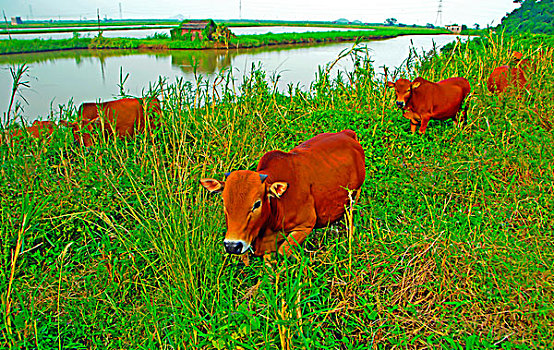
449, 246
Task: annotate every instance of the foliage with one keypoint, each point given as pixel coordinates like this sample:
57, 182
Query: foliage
532, 17
390, 21
451, 246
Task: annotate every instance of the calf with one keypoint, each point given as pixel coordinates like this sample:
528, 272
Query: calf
275, 207
423, 100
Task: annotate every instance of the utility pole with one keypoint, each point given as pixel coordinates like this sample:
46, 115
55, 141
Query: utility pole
240, 9
120, 12
98, 15
7, 25
439, 14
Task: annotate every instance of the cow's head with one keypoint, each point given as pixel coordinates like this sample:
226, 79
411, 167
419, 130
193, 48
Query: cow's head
403, 89
246, 195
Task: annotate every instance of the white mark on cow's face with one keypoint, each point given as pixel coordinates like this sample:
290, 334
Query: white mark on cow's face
237, 247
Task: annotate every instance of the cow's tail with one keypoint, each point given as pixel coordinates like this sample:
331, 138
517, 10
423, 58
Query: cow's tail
351, 133
464, 113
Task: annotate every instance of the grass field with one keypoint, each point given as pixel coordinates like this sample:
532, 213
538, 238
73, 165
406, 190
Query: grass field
451, 243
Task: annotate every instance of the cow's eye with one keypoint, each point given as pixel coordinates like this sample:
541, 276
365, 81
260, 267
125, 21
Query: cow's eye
256, 205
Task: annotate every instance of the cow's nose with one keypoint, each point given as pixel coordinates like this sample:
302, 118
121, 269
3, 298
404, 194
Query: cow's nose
400, 104
232, 247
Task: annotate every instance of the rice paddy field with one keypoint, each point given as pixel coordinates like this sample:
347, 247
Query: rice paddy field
450, 245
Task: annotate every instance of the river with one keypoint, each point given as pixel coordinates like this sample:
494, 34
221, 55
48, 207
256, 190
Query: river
55, 78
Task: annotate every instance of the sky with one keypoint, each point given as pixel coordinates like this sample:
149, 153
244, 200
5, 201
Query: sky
420, 12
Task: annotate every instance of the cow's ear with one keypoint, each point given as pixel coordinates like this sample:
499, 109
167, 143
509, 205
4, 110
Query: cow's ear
415, 85
213, 185
277, 189
390, 84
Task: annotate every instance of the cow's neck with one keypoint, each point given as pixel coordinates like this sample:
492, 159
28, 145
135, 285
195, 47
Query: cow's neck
267, 237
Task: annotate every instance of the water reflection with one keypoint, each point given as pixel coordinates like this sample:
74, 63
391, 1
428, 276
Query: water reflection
83, 75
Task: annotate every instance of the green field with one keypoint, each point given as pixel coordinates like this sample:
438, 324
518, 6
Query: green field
451, 245
163, 42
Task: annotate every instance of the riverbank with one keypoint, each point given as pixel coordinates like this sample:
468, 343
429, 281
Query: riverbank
449, 246
242, 41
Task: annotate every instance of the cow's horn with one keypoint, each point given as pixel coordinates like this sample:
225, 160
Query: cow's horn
263, 177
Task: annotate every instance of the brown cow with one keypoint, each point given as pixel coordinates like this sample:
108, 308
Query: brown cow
275, 207
126, 116
423, 100
504, 76
39, 129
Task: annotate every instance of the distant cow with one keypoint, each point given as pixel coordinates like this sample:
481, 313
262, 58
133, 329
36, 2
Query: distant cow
126, 116
423, 100
504, 76
39, 129
290, 192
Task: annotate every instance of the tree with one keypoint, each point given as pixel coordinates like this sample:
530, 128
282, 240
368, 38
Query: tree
476, 26
464, 27
391, 21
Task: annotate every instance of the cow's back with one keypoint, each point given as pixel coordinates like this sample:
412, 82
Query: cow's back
502, 76
318, 171
457, 82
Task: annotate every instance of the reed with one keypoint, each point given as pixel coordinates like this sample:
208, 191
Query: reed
448, 246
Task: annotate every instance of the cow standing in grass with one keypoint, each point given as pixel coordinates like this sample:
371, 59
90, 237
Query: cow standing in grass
275, 207
423, 100
39, 130
124, 117
504, 76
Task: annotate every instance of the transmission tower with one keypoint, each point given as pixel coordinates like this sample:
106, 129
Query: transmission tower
439, 14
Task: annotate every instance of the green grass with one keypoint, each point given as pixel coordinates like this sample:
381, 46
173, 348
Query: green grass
118, 246
242, 41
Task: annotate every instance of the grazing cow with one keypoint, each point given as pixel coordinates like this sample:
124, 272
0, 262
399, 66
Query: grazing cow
275, 207
423, 100
126, 116
504, 76
39, 129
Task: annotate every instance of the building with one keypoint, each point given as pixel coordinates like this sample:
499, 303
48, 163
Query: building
196, 29
454, 28
16, 20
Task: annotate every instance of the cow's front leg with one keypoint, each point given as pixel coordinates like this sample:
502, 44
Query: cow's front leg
424, 122
414, 119
295, 238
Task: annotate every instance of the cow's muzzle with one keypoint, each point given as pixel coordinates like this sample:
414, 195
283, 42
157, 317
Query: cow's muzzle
400, 104
235, 247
